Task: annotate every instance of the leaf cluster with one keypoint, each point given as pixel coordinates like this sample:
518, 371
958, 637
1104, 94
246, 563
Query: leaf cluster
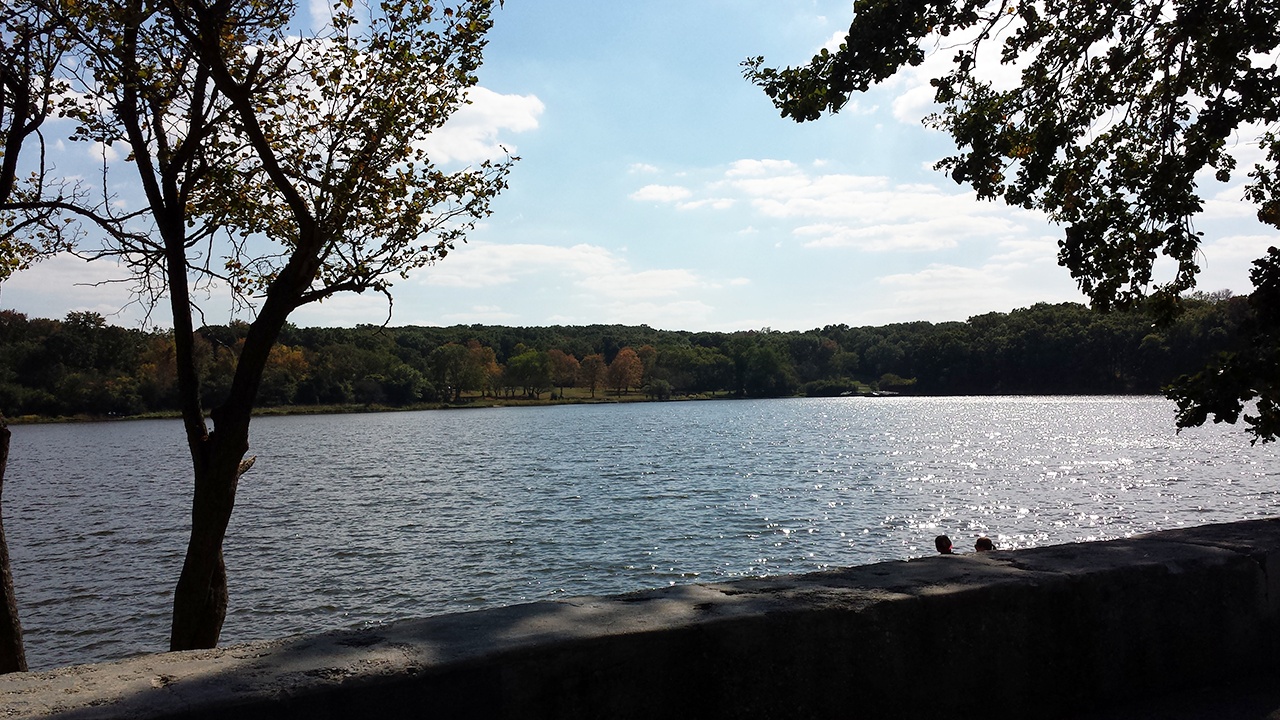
325, 155
1240, 375
257, 145
32, 92
1120, 109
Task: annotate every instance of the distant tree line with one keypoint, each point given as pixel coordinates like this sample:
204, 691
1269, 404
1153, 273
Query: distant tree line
81, 365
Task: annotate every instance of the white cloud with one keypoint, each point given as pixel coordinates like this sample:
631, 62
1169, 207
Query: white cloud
642, 169
1022, 250
480, 265
100, 151
591, 284
914, 95
913, 105
679, 314
757, 168
350, 309
713, 203
840, 210
661, 193
835, 41
997, 256
935, 233
320, 12
482, 314
636, 285
1225, 262
1229, 204
954, 292
472, 134
590, 268
796, 194
65, 283
1240, 248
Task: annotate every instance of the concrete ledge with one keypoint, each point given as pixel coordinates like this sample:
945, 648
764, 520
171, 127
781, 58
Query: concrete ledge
1043, 632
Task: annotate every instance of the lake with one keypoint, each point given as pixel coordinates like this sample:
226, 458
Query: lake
357, 520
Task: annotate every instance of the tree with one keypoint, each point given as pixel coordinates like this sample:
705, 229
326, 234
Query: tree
593, 371
564, 369
1224, 388
626, 370
768, 372
531, 371
402, 384
157, 373
489, 372
658, 389
451, 365
13, 657
30, 53
1123, 107
648, 355
286, 368
287, 166
31, 91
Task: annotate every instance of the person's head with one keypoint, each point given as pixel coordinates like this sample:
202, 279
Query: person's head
984, 544
943, 543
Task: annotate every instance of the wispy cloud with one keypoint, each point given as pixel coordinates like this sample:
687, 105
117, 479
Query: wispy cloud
831, 210
645, 284
661, 193
758, 168
954, 292
591, 283
597, 271
483, 314
481, 265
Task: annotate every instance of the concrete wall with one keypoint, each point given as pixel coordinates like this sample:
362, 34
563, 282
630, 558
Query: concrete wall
1041, 632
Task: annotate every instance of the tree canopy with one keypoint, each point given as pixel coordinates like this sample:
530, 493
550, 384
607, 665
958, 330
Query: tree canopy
277, 159
1121, 110
81, 365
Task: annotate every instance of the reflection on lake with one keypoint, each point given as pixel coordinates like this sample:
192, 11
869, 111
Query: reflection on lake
352, 520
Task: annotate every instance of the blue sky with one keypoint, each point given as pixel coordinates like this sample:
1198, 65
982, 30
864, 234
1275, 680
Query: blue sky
657, 186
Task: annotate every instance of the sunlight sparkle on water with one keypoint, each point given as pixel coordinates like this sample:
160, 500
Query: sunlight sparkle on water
440, 512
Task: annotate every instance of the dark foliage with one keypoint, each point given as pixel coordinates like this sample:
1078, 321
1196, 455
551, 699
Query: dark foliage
1122, 111
83, 366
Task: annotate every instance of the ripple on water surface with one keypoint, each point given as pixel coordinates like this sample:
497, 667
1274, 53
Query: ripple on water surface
356, 520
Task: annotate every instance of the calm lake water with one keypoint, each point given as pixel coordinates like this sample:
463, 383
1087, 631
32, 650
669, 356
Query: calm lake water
357, 520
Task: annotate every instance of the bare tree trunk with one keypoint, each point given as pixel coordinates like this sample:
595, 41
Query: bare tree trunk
200, 598
12, 656
218, 457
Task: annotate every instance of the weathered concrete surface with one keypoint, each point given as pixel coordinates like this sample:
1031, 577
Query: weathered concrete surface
1047, 632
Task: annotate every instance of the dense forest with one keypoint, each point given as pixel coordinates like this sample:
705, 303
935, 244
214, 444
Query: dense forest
83, 366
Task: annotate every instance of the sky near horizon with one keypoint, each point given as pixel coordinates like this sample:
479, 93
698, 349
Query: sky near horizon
656, 186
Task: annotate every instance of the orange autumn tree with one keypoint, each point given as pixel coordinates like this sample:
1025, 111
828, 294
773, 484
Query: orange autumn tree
626, 371
564, 369
592, 372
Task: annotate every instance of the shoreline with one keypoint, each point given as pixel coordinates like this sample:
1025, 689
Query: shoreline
489, 403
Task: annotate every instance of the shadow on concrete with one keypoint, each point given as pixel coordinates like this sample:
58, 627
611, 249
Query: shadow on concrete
1255, 699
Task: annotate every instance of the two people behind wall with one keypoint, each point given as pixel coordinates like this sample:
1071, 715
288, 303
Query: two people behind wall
943, 544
